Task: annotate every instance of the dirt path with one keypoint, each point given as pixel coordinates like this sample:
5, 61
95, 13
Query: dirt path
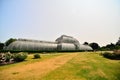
36, 70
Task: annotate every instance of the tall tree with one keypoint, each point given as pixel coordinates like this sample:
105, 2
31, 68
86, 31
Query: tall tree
94, 45
85, 43
118, 42
111, 46
9, 41
1, 45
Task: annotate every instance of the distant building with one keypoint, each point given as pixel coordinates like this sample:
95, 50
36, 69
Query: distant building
63, 43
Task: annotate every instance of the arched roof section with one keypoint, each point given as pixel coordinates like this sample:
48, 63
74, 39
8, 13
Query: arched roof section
32, 46
85, 47
66, 39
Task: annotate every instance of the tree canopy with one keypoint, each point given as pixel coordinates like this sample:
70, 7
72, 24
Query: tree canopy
1, 45
86, 43
9, 41
118, 42
94, 45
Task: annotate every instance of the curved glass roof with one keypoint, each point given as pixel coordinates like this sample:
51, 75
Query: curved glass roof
62, 43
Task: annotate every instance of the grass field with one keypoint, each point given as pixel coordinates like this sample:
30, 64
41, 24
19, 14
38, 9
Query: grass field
63, 66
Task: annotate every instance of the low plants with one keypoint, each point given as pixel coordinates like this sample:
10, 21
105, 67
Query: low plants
113, 55
2, 57
6, 58
36, 56
18, 57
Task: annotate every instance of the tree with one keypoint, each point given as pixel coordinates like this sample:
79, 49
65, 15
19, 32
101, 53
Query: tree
1, 45
85, 43
111, 46
118, 43
94, 45
9, 41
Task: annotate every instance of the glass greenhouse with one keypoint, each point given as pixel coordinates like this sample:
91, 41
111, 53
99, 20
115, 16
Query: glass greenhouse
63, 43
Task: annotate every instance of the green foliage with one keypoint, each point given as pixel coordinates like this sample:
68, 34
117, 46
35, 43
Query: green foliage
36, 56
9, 41
118, 42
86, 43
111, 46
1, 46
18, 57
2, 57
8, 56
111, 55
95, 46
117, 47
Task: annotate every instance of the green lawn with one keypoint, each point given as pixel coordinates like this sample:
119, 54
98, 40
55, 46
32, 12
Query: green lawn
87, 66
83, 66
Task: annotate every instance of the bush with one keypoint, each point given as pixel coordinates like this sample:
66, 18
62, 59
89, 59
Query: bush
8, 57
18, 57
36, 56
2, 57
111, 55
108, 55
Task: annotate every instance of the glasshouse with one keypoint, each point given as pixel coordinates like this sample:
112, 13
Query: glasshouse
63, 43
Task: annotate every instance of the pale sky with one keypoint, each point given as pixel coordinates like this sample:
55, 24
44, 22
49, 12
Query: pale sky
86, 20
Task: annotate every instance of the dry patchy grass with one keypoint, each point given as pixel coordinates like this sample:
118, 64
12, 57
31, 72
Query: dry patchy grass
34, 70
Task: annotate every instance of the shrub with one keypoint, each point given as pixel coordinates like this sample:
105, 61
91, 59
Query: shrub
18, 57
2, 57
8, 57
108, 55
111, 55
36, 56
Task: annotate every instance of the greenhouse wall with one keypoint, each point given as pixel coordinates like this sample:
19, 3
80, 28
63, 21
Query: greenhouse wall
63, 43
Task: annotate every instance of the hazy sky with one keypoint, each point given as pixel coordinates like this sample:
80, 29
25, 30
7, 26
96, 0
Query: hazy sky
87, 20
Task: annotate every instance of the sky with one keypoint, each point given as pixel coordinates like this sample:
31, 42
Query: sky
86, 20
